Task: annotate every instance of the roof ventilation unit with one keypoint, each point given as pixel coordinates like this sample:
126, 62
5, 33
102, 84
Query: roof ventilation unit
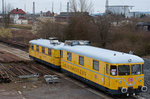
54, 41
77, 42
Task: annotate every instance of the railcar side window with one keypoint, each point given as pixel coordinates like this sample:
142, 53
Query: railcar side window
123, 70
32, 47
49, 52
37, 48
81, 60
142, 68
69, 56
113, 70
136, 69
61, 54
96, 65
107, 68
43, 50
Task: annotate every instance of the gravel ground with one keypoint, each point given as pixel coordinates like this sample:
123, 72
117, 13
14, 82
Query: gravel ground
147, 78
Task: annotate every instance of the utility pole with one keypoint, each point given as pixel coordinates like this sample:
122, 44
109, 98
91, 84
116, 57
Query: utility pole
33, 12
67, 12
106, 6
3, 13
52, 7
60, 7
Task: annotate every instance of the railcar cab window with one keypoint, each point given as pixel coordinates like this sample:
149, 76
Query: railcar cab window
49, 52
69, 56
123, 70
136, 69
43, 50
37, 48
81, 60
96, 65
142, 69
113, 70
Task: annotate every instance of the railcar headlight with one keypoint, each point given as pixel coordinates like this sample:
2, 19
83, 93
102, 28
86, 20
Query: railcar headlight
144, 88
120, 81
140, 80
124, 90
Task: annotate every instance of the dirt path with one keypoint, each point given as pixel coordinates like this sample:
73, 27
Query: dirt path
19, 53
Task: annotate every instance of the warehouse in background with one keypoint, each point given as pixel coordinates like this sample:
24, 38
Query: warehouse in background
124, 10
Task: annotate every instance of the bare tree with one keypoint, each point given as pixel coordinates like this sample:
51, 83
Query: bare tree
79, 28
81, 5
103, 24
73, 6
46, 29
8, 8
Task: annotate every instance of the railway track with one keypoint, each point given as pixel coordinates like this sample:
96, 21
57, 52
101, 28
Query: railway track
15, 44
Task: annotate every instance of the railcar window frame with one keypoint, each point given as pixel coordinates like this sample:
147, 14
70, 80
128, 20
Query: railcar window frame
113, 70
124, 70
107, 68
32, 47
49, 52
96, 65
37, 48
135, 69
61, 53
43, 50
81, 60
142, 68
69, 56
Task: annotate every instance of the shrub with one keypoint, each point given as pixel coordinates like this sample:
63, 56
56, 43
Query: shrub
5, 33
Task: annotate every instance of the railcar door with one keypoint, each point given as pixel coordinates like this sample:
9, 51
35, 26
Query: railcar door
107, 79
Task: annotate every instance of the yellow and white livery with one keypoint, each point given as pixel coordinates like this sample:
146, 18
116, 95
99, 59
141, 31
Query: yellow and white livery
46, 51
111, 71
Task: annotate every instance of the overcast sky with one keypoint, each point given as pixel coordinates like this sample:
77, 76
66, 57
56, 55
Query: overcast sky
98, 5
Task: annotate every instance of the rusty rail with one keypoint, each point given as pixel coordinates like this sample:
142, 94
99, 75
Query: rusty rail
11, 72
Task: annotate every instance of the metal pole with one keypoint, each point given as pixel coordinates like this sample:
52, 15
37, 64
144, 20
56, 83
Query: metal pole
52, 7
33, 12
3, 13
67, 12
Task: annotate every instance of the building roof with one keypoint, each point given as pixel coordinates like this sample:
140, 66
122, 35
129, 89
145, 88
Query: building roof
17, 11
71, 14
120, 6
105, 55
143, 24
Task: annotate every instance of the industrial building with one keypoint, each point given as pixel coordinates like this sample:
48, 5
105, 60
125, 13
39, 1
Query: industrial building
119, 9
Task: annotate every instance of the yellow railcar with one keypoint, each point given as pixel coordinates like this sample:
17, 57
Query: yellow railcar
110, 71
46, 51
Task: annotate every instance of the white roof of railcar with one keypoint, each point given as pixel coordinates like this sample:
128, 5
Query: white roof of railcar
46, 43
105, 55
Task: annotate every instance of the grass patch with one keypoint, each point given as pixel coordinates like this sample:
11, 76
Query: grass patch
28, 27
5, 33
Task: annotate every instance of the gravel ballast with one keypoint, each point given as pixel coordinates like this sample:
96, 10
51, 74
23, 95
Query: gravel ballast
146, 77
